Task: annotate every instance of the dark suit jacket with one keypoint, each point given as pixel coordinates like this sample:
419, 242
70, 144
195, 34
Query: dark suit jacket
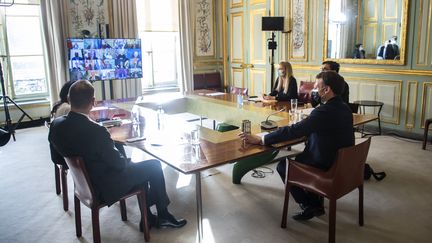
328, 128
76, 135
292, 91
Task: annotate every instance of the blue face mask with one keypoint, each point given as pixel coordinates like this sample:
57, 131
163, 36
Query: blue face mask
281, 73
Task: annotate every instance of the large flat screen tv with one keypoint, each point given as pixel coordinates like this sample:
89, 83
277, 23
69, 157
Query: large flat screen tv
102, 59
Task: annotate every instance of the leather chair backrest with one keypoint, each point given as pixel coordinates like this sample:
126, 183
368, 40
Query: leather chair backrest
354, 107
304, 91
349, 168
237, 90
83, 189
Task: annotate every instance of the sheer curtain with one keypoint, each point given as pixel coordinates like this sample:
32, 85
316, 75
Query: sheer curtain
54, 24
125, 26
186, 45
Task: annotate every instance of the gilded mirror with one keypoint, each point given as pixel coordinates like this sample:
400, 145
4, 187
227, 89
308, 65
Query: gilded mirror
365, 31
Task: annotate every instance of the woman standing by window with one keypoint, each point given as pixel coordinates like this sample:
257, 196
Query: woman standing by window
285, 87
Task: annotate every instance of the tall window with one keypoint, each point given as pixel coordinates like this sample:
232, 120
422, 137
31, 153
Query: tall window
21, 51
158, 30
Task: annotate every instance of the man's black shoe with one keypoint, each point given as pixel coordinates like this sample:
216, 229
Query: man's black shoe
170, 222
308, 213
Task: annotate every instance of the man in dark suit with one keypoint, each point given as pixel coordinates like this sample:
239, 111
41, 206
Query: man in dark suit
328, 128
334, 66
111, 175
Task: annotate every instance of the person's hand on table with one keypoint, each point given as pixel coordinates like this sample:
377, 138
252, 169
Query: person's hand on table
250, 138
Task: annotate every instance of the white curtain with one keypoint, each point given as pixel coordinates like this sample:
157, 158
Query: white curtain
125, 26
54, 28
186, 45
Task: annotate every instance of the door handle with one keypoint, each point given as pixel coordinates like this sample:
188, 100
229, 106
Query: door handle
249, 65
243, 65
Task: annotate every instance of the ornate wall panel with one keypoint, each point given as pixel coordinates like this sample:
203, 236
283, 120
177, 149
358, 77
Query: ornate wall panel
236, 41
237, 76
86, 15
426, 108
204, 28
424, 33
258, 38
236, 3
387, 91
411, 104
299, 35
257, 82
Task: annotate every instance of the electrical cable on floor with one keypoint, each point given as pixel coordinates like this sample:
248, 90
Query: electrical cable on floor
401, 137
261, 172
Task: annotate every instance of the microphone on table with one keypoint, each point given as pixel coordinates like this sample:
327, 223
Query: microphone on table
269, 124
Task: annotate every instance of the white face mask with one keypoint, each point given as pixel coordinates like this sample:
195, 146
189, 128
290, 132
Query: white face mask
361, 48
281, 73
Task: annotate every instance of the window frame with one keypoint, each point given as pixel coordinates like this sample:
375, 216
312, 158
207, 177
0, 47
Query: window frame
6, 57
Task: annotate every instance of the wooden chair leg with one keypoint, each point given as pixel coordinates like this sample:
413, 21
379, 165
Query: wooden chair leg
285, 207
95, 225
361, 205
123, 210
143, 208
332, 221
425, 137
63, 176
77, 217
57, 179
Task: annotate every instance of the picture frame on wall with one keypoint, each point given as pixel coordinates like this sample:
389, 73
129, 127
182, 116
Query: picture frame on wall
299, 38
204, 24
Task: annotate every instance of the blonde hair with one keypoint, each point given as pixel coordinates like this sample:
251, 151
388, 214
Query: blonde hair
288, 74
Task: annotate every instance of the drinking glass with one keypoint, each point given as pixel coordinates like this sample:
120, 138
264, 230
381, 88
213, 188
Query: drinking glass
294, 105
195, 136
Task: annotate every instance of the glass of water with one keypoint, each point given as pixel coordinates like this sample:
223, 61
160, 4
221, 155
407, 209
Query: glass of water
195, 136
294, 105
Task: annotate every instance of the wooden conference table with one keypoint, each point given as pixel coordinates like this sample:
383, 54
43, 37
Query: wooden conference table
167, 135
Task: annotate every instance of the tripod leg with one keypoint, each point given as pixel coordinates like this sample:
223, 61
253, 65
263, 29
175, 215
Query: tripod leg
17, 106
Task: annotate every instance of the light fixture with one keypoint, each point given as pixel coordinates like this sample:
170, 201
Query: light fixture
6, 3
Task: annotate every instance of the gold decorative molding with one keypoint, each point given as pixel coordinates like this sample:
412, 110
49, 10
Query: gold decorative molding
305, 18
236, 5
426, 85
427, 32
402, 46
373, 18
367, 27
408, 101
233, 15
237, 70
393, 7
364, 70
253, 2
224, 42
252, 24
252, 78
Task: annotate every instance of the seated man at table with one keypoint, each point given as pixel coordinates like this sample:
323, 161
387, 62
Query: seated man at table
111, 174
328, 128
332, 67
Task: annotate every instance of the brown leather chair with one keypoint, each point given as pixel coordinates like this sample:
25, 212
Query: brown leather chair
237, 90
84, 192
345, 175
426, 130
304, 91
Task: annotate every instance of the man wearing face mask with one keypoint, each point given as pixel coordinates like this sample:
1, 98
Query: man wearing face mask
359, 52
328, 128
330, 66
285, 87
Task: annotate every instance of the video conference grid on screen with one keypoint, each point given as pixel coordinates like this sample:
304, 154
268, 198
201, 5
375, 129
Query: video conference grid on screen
101, 59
